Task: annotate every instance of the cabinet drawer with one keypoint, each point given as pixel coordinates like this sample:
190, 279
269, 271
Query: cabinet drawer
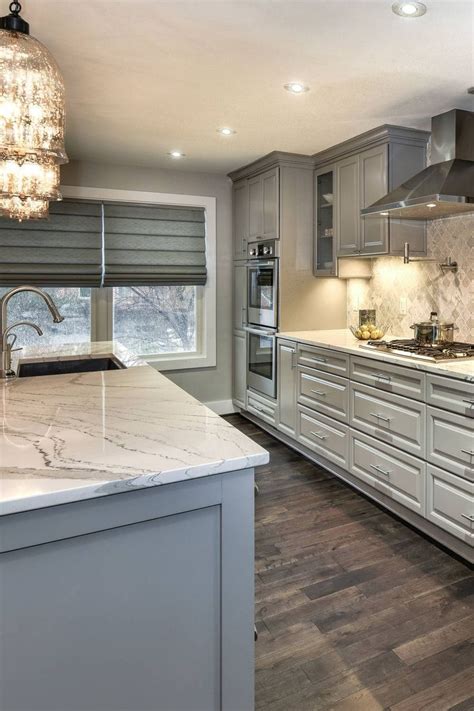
262, 407
323, 359
328, 394
451, 442
391, 418
450, 503
389, 378
450, 394
324, 436
399, 476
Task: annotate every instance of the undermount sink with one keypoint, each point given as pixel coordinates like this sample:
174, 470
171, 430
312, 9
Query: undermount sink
62, 367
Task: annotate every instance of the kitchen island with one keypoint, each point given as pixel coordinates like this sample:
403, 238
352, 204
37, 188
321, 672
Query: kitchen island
126, 543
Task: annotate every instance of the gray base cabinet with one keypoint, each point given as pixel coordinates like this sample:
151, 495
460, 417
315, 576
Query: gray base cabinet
239, 370
139, 601
400, 435
287, 384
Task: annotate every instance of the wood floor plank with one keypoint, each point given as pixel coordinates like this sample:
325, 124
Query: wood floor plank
435, 641
355, 610
441, 696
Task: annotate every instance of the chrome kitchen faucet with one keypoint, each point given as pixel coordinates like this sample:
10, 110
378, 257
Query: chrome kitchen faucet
6, 346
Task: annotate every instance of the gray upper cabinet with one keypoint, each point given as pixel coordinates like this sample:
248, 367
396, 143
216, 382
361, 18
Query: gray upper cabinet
373, 182
256, 210
270, 204
255, 187
366, 168
347, 206
241, 218
325, 262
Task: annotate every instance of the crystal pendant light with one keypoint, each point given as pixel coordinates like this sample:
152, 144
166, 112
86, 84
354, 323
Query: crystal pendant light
31, 122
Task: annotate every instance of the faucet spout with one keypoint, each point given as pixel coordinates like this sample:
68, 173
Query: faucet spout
53, 309
6, 372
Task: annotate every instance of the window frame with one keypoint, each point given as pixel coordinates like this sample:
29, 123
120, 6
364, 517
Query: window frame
102, 299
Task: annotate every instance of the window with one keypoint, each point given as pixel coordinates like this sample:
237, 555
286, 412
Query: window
73, 303
157, 319
174, 326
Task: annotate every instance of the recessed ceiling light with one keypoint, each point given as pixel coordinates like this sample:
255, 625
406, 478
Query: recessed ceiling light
409, 9
296, 87
226, 131
431, 204
176, 154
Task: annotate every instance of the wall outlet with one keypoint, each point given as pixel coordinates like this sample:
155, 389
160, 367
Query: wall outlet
403, 305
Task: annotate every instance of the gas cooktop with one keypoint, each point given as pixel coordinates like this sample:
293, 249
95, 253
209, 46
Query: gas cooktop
413, 349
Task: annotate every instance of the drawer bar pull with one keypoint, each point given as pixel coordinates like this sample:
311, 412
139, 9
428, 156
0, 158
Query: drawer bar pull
470, 452
469, 517
380, 417
380, 470
319, 392
383, 376
318, 360
262, 409
318, 435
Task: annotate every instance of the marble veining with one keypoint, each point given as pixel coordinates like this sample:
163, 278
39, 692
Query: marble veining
71, 437
343, 340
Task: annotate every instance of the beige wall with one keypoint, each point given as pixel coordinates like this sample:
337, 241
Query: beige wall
207, 384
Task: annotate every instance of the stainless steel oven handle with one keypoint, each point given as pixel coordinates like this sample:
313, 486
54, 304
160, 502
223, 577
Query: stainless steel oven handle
259, 263
259, 332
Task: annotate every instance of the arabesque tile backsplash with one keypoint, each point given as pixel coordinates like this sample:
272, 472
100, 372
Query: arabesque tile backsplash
423, 285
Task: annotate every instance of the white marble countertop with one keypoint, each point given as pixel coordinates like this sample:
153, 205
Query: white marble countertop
343, 340
66, 438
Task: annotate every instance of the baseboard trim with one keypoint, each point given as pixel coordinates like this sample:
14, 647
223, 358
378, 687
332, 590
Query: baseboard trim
222, 407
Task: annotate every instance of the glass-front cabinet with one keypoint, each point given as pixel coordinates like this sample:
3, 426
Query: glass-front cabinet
325, 262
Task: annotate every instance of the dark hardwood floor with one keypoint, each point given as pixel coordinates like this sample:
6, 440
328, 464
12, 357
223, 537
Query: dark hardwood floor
355, 610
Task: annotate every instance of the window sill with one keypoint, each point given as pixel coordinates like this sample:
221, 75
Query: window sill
184, 362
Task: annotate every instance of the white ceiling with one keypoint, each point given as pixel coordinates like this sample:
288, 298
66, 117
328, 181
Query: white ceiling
147, 76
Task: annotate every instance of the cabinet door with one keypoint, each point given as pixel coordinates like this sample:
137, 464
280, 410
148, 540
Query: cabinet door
270, 204
347, 206
255, 188
325, 262
373, 181
239, 385
286, 373
241, 218
450, 503
240, 297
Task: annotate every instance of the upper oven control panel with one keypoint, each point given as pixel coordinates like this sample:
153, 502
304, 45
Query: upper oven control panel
263, 250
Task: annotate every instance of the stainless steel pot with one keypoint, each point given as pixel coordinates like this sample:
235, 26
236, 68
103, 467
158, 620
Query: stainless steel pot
432, 332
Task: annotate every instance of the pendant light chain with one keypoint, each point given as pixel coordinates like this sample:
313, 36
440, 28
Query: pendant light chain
15, 7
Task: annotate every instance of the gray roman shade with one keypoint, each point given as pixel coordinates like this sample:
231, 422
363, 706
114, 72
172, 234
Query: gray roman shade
90, 243
64, 250
150, 245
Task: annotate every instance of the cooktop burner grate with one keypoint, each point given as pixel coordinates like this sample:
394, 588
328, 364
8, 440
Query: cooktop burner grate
414, 349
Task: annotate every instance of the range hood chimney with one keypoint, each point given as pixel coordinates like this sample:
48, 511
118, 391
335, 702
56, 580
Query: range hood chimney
446, 187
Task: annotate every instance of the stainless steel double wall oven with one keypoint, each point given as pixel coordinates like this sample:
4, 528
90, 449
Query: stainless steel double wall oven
262, 315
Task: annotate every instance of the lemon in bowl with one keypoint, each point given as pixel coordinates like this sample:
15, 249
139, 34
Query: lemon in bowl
368, 332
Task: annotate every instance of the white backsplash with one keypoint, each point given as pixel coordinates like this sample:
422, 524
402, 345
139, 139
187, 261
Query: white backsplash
423, 285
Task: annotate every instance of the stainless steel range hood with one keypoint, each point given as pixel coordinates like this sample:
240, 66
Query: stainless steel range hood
446, 187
